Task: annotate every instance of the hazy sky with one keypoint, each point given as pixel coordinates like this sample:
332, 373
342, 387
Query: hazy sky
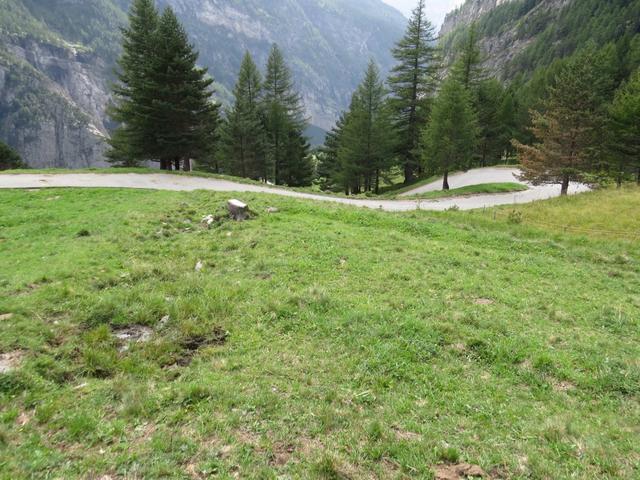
436, 9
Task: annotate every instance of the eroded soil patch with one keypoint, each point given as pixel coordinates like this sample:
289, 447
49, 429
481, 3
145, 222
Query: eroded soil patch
10, 361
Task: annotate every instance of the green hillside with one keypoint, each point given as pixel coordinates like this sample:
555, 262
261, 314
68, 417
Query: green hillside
315, 342
552, 29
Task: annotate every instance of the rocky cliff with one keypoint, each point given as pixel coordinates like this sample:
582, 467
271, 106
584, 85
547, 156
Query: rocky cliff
57, 59
52, 104
467, 13
506, 29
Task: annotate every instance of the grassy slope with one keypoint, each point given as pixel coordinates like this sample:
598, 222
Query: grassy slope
479, 189
359, 343
605, 214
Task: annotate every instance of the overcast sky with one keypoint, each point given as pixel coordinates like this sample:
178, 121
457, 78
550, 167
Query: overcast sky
436, 9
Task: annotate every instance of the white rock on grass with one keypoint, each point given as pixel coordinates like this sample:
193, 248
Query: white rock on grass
208, 220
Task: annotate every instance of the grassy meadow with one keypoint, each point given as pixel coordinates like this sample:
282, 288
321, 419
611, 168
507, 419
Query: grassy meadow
481, 188
316, 342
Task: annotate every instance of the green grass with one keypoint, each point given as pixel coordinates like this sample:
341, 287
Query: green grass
507, 187
400, 188
318, 342
605, 214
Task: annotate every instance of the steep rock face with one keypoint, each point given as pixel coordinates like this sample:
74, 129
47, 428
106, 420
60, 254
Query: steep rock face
467, 13
52, 104
506, 28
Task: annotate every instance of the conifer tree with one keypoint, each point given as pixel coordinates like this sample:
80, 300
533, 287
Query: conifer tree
176, 107
208, 158
127, 141
488, 105
9, 158
329, 170
413, 81
468, 65
566, 129
624, 127
244, 136
451, 135
510, 125
284, 122
366, 145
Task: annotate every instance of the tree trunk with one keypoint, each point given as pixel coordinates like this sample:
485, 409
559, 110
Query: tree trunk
163, 164
187, 165
176, 163
565, 185
408, 174
377, 182
238, 210
619, 180
445, 180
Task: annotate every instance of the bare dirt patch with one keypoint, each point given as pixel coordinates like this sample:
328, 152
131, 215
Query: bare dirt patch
6, 316
563, 386
458, 471
23, 419
281, 455
217, 337
405, 435
132, 334
310, 446
484, 301
10, 361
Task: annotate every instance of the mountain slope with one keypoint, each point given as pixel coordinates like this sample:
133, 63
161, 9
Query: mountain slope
521, 36
57, 59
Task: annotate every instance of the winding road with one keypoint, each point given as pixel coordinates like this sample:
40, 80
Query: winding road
160, 181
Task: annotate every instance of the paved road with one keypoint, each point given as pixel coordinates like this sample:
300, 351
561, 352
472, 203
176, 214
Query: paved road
159, 181
471, 177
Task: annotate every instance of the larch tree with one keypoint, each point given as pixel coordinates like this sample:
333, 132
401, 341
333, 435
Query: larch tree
566, 128
451, 135
468, 65
624, 128
244, 137
489, 104
413, 82
127, 141
285, 123
177, 104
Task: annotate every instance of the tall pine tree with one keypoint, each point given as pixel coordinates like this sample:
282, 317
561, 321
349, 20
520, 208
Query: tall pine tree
176, 106
127, 141
366, 147
244, 137
329, 170
451, 135
285, 124
413, 81
468, 65
488, 104
566, 129
624, 128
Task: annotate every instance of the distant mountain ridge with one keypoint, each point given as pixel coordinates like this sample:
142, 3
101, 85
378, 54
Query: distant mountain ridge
57, 59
